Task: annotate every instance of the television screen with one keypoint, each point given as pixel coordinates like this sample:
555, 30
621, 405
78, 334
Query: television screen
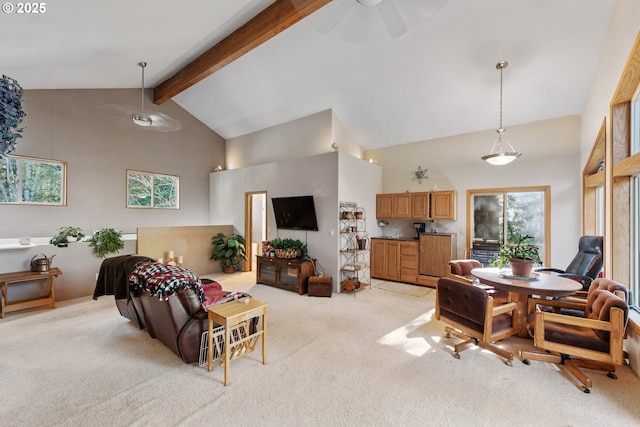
295, 213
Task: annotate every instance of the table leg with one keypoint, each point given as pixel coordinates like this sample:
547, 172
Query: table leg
227, 344
264, 336
521, 320
51, 292
210, 345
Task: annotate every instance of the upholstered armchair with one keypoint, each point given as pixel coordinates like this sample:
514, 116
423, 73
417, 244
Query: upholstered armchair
575, 304
587, 263
469, 314
593, 341
460, 269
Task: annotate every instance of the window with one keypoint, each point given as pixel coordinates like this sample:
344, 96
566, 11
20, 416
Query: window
152, 190
27, 180
635, 241
635, 123
495, 213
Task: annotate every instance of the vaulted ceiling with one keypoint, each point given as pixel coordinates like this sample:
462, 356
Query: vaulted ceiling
437, 79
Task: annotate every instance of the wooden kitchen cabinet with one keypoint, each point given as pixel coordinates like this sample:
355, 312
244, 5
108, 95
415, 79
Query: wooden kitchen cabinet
420, 205
436, 250
409, 262
393, 206
385, 261
394, 260
436, 205
442, 205
384, 206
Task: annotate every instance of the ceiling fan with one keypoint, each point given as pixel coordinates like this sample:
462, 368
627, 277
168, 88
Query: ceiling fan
146, 119
357, 17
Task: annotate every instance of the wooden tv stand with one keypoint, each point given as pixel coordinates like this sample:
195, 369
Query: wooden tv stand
291, 274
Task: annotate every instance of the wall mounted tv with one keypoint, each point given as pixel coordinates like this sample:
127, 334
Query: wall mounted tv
295, 213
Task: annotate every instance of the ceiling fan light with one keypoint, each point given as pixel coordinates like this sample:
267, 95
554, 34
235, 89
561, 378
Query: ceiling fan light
369, 2
141, 120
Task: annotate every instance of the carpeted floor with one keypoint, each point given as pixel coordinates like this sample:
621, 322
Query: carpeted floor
376, 359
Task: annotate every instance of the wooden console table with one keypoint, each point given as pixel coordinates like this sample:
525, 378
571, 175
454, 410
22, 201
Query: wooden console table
292, 274
7, 279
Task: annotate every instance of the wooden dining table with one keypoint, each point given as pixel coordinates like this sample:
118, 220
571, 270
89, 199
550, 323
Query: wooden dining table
521, 288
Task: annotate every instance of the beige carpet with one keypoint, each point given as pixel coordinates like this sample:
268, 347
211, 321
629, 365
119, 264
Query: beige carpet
402, 288
376, 359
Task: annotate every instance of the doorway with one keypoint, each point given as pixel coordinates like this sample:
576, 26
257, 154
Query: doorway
255, 225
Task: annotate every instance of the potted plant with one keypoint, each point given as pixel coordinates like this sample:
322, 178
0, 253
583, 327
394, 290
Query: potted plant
521, 254
228, 250
105, 241
11, 114
65, 235
288, 248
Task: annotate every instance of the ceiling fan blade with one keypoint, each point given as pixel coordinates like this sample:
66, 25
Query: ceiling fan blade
391, 17
162, 122
336, 16
117, 110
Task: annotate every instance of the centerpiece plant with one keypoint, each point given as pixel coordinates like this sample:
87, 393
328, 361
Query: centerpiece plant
521, 254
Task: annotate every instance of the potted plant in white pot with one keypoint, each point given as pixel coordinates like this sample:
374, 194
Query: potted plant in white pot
521, 254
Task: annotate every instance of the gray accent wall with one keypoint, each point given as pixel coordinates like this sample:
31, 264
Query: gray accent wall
67, 125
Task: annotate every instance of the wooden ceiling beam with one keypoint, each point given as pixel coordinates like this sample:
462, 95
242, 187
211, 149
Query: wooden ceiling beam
276, 18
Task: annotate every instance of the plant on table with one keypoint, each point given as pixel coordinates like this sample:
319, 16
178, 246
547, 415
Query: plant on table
520, 250
288, 248
229, 250
105, 241
61, 238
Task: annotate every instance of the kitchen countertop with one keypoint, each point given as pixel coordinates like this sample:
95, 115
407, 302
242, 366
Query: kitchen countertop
410, 239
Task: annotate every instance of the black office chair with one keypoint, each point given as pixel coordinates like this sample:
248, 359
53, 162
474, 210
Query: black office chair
587, 263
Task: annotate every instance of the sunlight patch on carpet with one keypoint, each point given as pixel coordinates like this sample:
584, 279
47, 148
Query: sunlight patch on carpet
403, 288
399, 338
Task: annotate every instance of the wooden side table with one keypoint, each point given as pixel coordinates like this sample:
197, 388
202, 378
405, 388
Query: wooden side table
7, 279
234, 313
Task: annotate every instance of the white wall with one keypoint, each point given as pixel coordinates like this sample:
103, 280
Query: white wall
66, 125
550, 157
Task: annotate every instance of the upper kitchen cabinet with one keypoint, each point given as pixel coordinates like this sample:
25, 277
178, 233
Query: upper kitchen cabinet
393, 206
436, 205
443, 205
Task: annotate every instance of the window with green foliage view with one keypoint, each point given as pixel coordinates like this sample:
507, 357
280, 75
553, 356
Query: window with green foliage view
27, 180
152, 190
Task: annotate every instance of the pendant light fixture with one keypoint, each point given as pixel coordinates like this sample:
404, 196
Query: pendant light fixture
498, 156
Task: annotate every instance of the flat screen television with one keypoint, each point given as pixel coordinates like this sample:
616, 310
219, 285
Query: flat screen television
295, 213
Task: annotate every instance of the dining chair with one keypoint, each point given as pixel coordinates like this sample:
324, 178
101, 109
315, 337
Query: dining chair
460, 269
469, 314
593, 341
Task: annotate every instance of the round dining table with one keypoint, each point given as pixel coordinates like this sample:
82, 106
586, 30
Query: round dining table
521, 288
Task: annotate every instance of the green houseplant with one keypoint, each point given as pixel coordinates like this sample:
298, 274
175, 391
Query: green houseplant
521, 254
228, 250
288, 248
61, 238
105, 241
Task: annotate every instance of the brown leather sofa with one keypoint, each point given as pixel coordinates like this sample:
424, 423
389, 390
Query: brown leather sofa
178, 322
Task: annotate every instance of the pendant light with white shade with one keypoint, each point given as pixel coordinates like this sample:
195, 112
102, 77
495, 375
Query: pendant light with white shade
502, 151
